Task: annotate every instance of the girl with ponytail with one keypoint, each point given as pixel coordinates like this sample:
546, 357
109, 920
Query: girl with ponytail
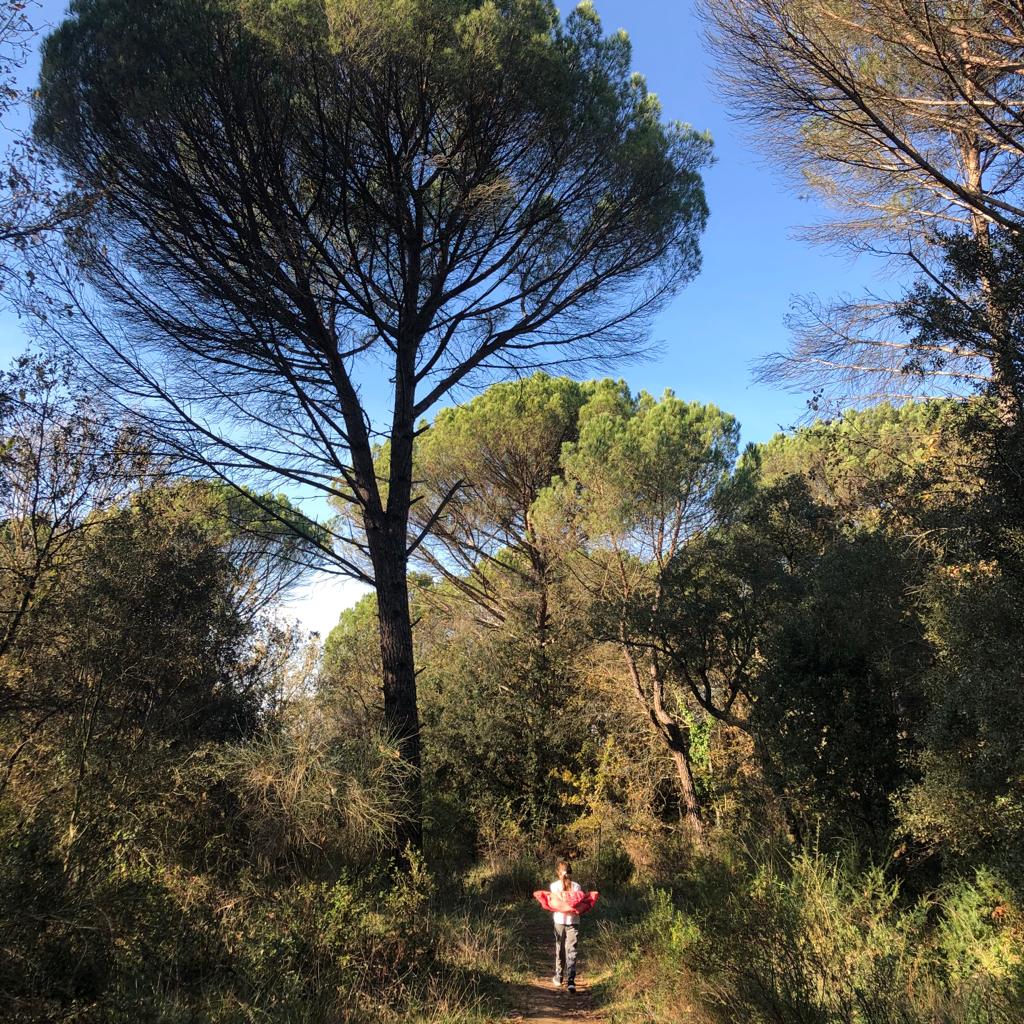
566, 900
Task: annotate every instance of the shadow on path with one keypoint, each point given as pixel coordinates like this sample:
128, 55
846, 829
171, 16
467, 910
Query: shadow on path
538, 1000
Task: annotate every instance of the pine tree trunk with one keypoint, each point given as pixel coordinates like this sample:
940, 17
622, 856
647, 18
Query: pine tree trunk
1008, 393
387, 537
401, 715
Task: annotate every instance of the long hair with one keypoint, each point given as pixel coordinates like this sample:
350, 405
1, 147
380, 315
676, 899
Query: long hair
564, 869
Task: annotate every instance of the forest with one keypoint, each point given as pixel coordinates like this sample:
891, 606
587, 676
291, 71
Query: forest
765, 696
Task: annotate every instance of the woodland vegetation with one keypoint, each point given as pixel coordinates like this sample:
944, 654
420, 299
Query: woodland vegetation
768, 697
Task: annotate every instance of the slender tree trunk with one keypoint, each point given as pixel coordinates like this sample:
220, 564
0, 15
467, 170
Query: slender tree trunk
676, 738
1009, 394
690, 807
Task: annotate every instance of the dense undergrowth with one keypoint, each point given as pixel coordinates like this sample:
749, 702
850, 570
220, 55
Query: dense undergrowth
153, 942
809, 938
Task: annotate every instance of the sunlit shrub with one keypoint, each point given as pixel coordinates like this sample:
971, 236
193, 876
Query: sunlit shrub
814, 940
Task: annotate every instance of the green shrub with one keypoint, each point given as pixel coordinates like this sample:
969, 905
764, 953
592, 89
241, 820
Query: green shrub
211, 901
814, 940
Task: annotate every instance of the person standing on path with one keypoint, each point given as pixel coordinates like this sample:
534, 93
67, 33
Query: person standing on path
566, 900
566, 929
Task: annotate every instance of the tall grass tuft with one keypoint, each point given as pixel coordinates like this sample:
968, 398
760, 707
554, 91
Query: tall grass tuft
312, 801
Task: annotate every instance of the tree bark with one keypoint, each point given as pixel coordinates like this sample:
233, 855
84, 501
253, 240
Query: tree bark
677, 740
690, 808
401, 714
388, 540
1005, 371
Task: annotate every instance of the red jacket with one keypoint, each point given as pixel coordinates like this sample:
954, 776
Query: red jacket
576, 902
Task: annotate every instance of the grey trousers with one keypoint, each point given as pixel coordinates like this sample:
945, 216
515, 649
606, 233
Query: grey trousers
565, 951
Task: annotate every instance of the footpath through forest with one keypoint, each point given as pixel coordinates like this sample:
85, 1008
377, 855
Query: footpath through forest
537, 999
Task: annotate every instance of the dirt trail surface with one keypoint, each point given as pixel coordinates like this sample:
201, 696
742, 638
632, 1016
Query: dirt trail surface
537, 1000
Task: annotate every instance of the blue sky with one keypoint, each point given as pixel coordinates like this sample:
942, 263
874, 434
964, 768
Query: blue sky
734, 311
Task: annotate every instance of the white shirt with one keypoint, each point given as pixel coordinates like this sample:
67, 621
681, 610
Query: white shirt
560, 917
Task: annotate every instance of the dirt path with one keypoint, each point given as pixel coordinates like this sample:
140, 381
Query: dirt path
538, 1000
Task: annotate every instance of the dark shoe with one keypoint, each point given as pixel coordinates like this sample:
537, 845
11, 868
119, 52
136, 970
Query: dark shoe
572, 987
